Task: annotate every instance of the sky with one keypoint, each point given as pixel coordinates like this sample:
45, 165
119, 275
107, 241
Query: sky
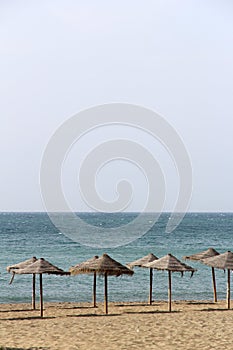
61, 57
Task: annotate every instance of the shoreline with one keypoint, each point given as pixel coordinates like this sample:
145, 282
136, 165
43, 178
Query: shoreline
129, 325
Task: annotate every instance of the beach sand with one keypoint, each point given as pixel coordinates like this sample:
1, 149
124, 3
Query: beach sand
72, 326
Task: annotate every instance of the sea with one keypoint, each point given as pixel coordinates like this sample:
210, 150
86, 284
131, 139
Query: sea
23, 235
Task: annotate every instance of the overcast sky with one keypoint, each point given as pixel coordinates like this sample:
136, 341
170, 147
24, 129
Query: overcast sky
172, 56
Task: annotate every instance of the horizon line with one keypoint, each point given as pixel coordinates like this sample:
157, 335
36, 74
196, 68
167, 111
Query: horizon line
118, 212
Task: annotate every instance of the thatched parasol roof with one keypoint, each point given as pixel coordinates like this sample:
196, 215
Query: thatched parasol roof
202, 255
105, 265
170, 263
74, 270
41, 266
211, 252
22, 264
221, 261
142, 261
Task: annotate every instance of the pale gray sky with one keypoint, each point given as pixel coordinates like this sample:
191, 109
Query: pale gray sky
60, 57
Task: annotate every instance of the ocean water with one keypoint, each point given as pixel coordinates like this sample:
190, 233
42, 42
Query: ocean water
23, 235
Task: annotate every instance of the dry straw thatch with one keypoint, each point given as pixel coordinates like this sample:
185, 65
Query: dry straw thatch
171, 264
140, 263
105, 266
204, 255
22, 264
40, 267
223, 261
74, 270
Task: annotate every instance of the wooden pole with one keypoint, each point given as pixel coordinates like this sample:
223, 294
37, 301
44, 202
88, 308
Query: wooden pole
33, 291
151, 283
214, 285
169, 292
94, 290
106, 292
228, 288
41, 296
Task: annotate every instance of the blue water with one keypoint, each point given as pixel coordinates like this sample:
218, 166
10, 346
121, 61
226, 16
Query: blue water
23, 235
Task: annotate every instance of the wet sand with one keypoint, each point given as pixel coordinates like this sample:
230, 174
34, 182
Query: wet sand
71, 326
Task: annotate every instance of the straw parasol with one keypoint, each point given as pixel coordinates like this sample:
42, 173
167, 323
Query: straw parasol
22, 265
40, 267
171, 264
140, 263
105, 266
204, 255
222, 261
74, 270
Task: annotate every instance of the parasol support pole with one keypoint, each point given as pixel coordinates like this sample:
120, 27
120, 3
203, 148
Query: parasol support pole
33, 291
169, 292
214, 285
106, 292
228, 288
41, 296
94, 290
151, 283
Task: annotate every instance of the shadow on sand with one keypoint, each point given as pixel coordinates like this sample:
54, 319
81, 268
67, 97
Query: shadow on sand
213, 309
139, 305
78, 307
200, 303
94, 315
26, 318
152, 312
34, 348
17, 310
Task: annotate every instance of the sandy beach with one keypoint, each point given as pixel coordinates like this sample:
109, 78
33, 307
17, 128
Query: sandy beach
71, 326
